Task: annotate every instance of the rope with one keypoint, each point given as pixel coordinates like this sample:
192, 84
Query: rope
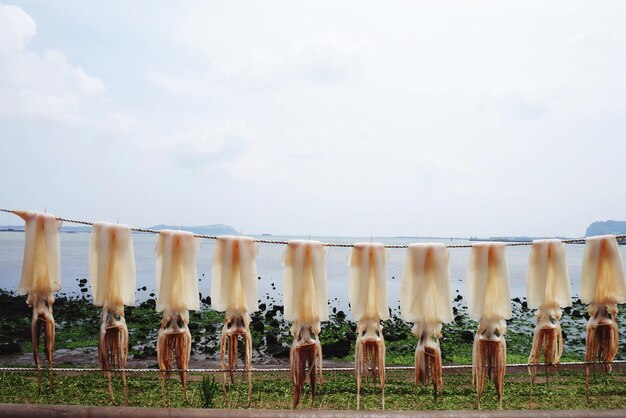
282, 369
328, 244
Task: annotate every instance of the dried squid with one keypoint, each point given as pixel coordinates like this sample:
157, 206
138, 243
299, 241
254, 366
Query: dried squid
548, 289
603, 287
234, 291
425, 301
489, 302
112, 274
41, 276
177, 294
306, 305
368, 302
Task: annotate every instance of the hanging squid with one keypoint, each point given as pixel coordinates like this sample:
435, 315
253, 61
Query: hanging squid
112, 274
177, 294
306, 305
603, 287
490, 303
234, 291
425, 301
548, 289
41, 276
368, 302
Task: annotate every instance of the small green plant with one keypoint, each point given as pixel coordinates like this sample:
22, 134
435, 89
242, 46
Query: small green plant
209, 389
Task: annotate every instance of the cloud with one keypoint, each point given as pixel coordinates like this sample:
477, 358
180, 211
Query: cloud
330, 57
17, 28
520, 106
44, 85
522, 103
599, 36
199, 148
179, 85
326, 116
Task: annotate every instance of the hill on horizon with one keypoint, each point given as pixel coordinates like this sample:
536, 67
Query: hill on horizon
606, 227
216, 229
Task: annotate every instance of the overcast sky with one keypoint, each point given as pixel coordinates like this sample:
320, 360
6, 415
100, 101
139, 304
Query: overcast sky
322, 118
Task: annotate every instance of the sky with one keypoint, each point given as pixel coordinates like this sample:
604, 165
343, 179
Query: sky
354, 118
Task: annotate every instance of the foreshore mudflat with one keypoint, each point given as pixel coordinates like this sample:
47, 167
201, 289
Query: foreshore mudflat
79, 320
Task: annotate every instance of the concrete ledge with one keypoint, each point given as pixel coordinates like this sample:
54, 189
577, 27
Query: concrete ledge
28, 410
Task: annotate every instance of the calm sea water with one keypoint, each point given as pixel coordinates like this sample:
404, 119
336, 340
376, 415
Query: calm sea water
75, 249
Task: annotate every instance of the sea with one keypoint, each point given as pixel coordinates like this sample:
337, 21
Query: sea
75, 267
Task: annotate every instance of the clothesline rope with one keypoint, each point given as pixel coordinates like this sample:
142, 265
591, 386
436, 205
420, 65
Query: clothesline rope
327, 244
281, 369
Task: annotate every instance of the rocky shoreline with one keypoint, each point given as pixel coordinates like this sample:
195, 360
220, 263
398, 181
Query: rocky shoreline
78, 322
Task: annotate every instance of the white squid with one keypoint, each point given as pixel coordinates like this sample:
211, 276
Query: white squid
548, 290
113, 281
368, 302
234, 291
41, 276
489, 301
306, 305
177, 294
603, 287
425, 301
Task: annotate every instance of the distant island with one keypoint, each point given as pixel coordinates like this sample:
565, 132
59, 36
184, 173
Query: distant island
606, 227
596, 228
511, 239
216, 229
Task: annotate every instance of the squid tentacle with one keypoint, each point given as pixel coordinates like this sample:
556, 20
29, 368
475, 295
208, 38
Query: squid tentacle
305, 359
547, 339
489, 359
43, 323
236, 324
428, 362
174, 342
602, 340
113, 346
370, 354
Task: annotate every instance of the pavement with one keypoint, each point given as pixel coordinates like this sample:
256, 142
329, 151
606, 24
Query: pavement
26, 410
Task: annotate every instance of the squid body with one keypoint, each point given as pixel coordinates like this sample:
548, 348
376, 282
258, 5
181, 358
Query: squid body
368, 302
603, 287
41, 276
489, 302
306, 305
234, 291
177, 294
548, 290
425, 301
113, 281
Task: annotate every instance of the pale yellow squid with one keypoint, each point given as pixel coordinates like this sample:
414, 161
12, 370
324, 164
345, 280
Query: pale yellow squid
306, 305
425, 300
368, 303
489, 301
177, 294
548, 290
603, 287
234, 291
41, 276
113, 281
